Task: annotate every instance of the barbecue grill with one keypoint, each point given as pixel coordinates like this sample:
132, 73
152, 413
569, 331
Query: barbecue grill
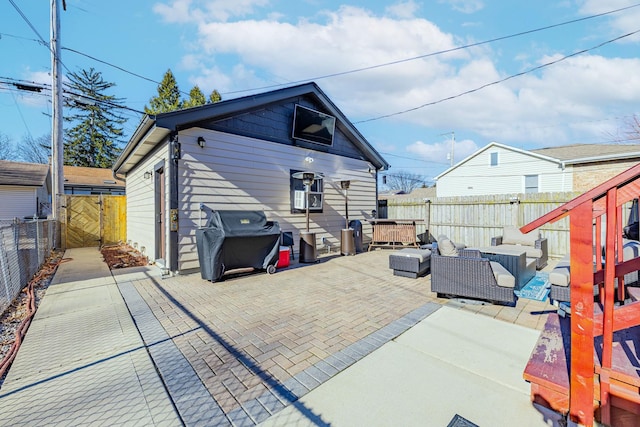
237, 239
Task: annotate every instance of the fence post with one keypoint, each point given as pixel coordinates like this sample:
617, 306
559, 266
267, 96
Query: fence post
4, 267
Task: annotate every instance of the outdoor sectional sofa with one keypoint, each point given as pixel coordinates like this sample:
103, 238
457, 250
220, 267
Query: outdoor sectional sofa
532, 243
560, 276
465, 273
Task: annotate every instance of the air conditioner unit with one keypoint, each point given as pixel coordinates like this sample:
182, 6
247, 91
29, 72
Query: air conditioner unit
300, 200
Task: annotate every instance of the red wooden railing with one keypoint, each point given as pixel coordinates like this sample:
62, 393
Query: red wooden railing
609, 378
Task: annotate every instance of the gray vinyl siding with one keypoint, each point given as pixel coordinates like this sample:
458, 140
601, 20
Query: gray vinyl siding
477, 177
242, 173
18, 202
141, 203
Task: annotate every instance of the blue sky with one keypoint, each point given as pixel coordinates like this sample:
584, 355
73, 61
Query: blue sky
241, 47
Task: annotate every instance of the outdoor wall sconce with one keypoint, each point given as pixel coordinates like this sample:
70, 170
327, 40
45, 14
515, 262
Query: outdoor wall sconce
147, 175
308, 159
201, 141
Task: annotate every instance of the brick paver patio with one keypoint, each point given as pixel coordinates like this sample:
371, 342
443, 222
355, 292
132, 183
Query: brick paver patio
258, 342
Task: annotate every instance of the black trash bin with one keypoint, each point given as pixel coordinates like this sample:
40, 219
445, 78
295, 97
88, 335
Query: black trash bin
237, 239
356, 225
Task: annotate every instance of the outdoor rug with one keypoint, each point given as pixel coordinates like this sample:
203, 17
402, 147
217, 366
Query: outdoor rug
537, 288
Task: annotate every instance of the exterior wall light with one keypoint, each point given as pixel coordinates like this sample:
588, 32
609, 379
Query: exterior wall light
148, 174
201, 141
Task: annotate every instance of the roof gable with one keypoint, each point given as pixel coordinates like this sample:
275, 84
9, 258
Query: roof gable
23, 174
153, 129
491, 145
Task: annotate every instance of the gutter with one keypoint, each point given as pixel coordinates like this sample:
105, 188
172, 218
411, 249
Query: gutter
602, 158
142, 129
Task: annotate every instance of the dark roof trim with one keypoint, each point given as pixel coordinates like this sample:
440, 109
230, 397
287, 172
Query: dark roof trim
23, 174
182, 119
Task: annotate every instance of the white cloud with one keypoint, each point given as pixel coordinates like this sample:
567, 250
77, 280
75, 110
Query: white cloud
403, 10
535, 109
440, 152
184, 11
465, 6
621, 22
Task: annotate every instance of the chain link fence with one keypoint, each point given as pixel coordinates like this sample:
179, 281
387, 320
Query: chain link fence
24, 247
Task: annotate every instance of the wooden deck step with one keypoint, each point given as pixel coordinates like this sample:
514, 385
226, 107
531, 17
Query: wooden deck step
549, 365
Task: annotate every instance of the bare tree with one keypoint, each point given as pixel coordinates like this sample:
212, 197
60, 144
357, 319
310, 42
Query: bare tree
629, 131
36, 150
7, 151
632, 128
404, 181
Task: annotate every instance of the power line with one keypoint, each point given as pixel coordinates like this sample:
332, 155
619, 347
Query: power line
24, 17
440, 52
512, 76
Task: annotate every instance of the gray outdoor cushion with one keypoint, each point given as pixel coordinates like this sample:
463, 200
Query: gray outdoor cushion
421, 254
502, 275
513, 236
446, 246
560, 275
531, 251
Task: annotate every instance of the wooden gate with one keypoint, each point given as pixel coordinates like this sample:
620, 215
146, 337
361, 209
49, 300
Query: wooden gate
92, 221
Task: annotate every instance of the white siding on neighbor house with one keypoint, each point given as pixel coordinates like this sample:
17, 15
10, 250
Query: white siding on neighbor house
18, 202
476, 176
141, 221
240, 173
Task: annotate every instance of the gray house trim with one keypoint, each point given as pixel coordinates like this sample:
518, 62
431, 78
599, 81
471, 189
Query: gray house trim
153, 129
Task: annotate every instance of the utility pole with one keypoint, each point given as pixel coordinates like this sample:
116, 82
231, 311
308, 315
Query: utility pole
56, 133
453, 144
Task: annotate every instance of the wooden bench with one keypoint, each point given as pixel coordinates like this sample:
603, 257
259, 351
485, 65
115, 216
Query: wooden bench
394, 233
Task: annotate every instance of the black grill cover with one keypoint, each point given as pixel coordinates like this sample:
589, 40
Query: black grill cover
236, 239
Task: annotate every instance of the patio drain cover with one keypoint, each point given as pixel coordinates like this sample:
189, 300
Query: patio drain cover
458, 421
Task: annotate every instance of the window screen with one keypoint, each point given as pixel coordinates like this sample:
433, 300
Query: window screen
494, 159
531, 183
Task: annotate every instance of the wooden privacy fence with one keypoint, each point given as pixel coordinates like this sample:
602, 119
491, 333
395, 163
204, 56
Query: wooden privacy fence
475, 220
93, 221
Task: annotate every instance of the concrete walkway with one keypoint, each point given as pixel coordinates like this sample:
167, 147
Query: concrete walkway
97, 354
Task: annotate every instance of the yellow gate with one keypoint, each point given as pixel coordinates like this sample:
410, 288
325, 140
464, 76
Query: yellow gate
92, 221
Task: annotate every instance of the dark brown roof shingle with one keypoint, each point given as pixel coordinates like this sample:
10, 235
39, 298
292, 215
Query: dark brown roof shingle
23, 174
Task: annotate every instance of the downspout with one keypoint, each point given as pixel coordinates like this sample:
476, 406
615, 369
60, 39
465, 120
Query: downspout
116, 177
174, 217
562, 166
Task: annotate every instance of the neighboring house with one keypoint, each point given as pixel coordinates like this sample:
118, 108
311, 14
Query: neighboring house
501, 169
84, 180
25, 190
241, 154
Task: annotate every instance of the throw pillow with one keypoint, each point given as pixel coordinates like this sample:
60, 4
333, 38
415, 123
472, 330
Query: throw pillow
446, 247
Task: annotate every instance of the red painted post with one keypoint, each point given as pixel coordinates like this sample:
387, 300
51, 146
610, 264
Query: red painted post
582, 365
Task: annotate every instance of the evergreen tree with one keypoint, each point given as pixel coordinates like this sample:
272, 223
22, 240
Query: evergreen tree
95, 138
168, 98
215, 97
196, 98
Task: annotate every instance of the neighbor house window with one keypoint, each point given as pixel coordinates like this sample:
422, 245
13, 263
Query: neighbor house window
494, 159
298, 195
531, 183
